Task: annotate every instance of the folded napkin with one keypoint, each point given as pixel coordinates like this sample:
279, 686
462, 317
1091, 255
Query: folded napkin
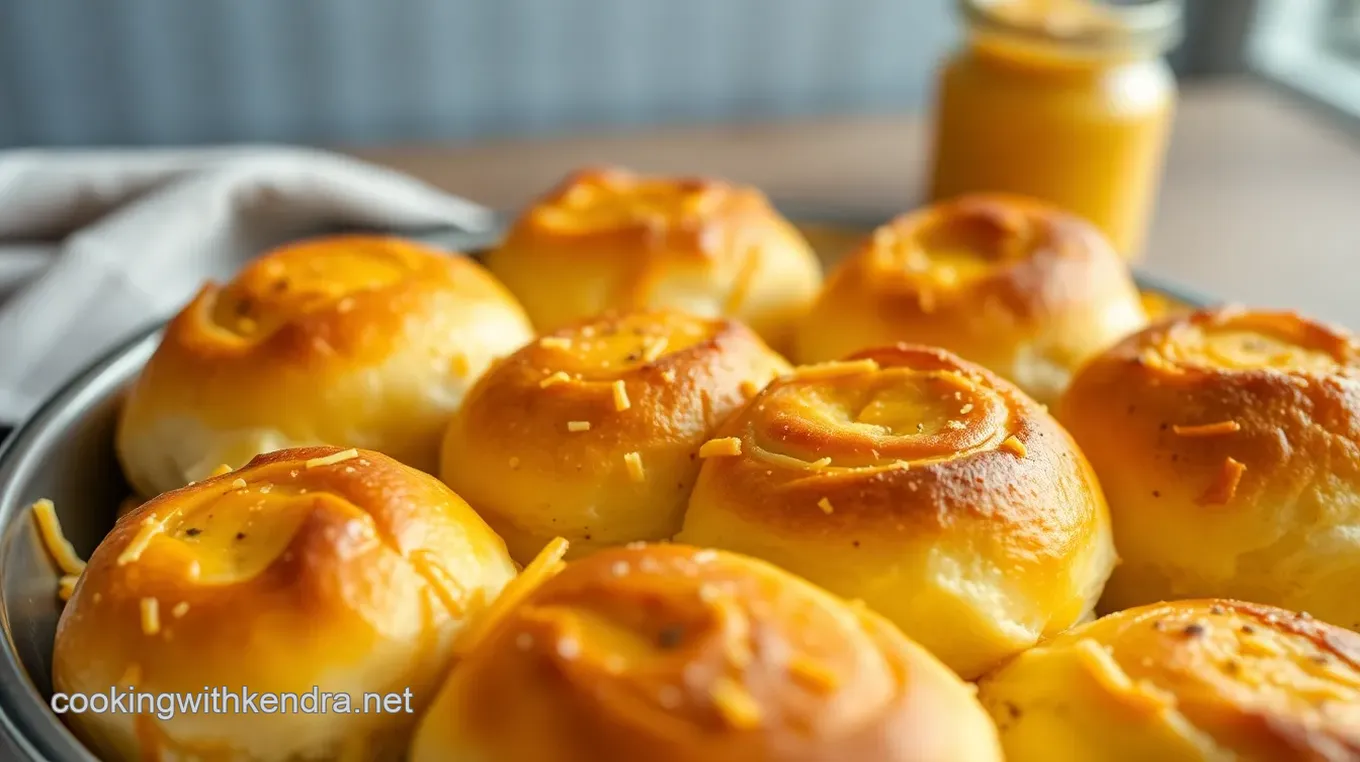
96, 245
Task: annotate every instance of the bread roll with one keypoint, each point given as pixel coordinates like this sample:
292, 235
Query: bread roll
352, 341
673, 654
922, 484
610, 239
340, 570
592, 433
1228, 442
1190, 681
1023, 289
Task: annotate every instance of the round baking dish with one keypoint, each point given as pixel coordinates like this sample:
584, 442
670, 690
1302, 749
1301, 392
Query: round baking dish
65, 452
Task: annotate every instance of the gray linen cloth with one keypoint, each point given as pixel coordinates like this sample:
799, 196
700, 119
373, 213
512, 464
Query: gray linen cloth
95, 245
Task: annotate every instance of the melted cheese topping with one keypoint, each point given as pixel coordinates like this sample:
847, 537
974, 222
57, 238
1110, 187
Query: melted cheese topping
889, 417
306, 278
1248, 342
236, 535
602, 202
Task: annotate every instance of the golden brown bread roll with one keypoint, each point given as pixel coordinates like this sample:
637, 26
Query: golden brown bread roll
611, 239
674, 654
343, 570
591, 433
1017, 286
1228, 443
925, 485
352, 341
1190, 681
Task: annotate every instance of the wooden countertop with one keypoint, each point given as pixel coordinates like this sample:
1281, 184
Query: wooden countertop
1260, 203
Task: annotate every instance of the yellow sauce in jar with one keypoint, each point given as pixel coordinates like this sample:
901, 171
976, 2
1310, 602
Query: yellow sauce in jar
1064, 100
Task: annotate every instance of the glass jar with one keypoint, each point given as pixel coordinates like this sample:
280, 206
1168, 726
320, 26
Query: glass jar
1065, 100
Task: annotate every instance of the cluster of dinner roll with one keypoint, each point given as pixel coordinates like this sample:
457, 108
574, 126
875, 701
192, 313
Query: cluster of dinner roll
644, 487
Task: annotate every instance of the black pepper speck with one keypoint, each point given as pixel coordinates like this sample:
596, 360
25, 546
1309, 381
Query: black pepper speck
670, 637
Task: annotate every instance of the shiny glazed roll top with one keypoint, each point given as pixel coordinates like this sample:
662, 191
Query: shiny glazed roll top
1228, 442
355, 341
611, 239
922, 484
674, 654
339, 570
592, 433
1198, 681
1022, 288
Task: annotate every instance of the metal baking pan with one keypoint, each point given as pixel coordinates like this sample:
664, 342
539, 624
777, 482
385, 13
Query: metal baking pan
65, 452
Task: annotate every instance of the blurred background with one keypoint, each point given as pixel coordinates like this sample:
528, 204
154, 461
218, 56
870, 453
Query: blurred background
823, 103
360, 72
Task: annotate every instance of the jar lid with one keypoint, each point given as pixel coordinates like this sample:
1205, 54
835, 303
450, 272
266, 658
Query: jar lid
1093, 26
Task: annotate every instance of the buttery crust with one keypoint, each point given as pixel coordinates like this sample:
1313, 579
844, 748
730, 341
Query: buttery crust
1228, 442
315, 567
1020, 287
1188, 680
591, 433
925, 485
611, 239
353, 340
675, 654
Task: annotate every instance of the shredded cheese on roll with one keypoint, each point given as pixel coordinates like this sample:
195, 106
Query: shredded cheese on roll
1225, 484
736, 704
634, 463
151, 616
813, 674
66, 586
221, 470
49, 529
1014, 445
554, 342
621, 401
832, 369
578, 426
1207, 429
654, 349
557, 378
545, 565
328, 460
826, 506
716, 448
151, 526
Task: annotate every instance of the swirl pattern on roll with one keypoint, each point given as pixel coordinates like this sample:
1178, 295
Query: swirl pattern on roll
923, 484
1020, 287
1228, 442
675, 654
1187, 680
611, 239
340, 570
591, 433
352, 340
